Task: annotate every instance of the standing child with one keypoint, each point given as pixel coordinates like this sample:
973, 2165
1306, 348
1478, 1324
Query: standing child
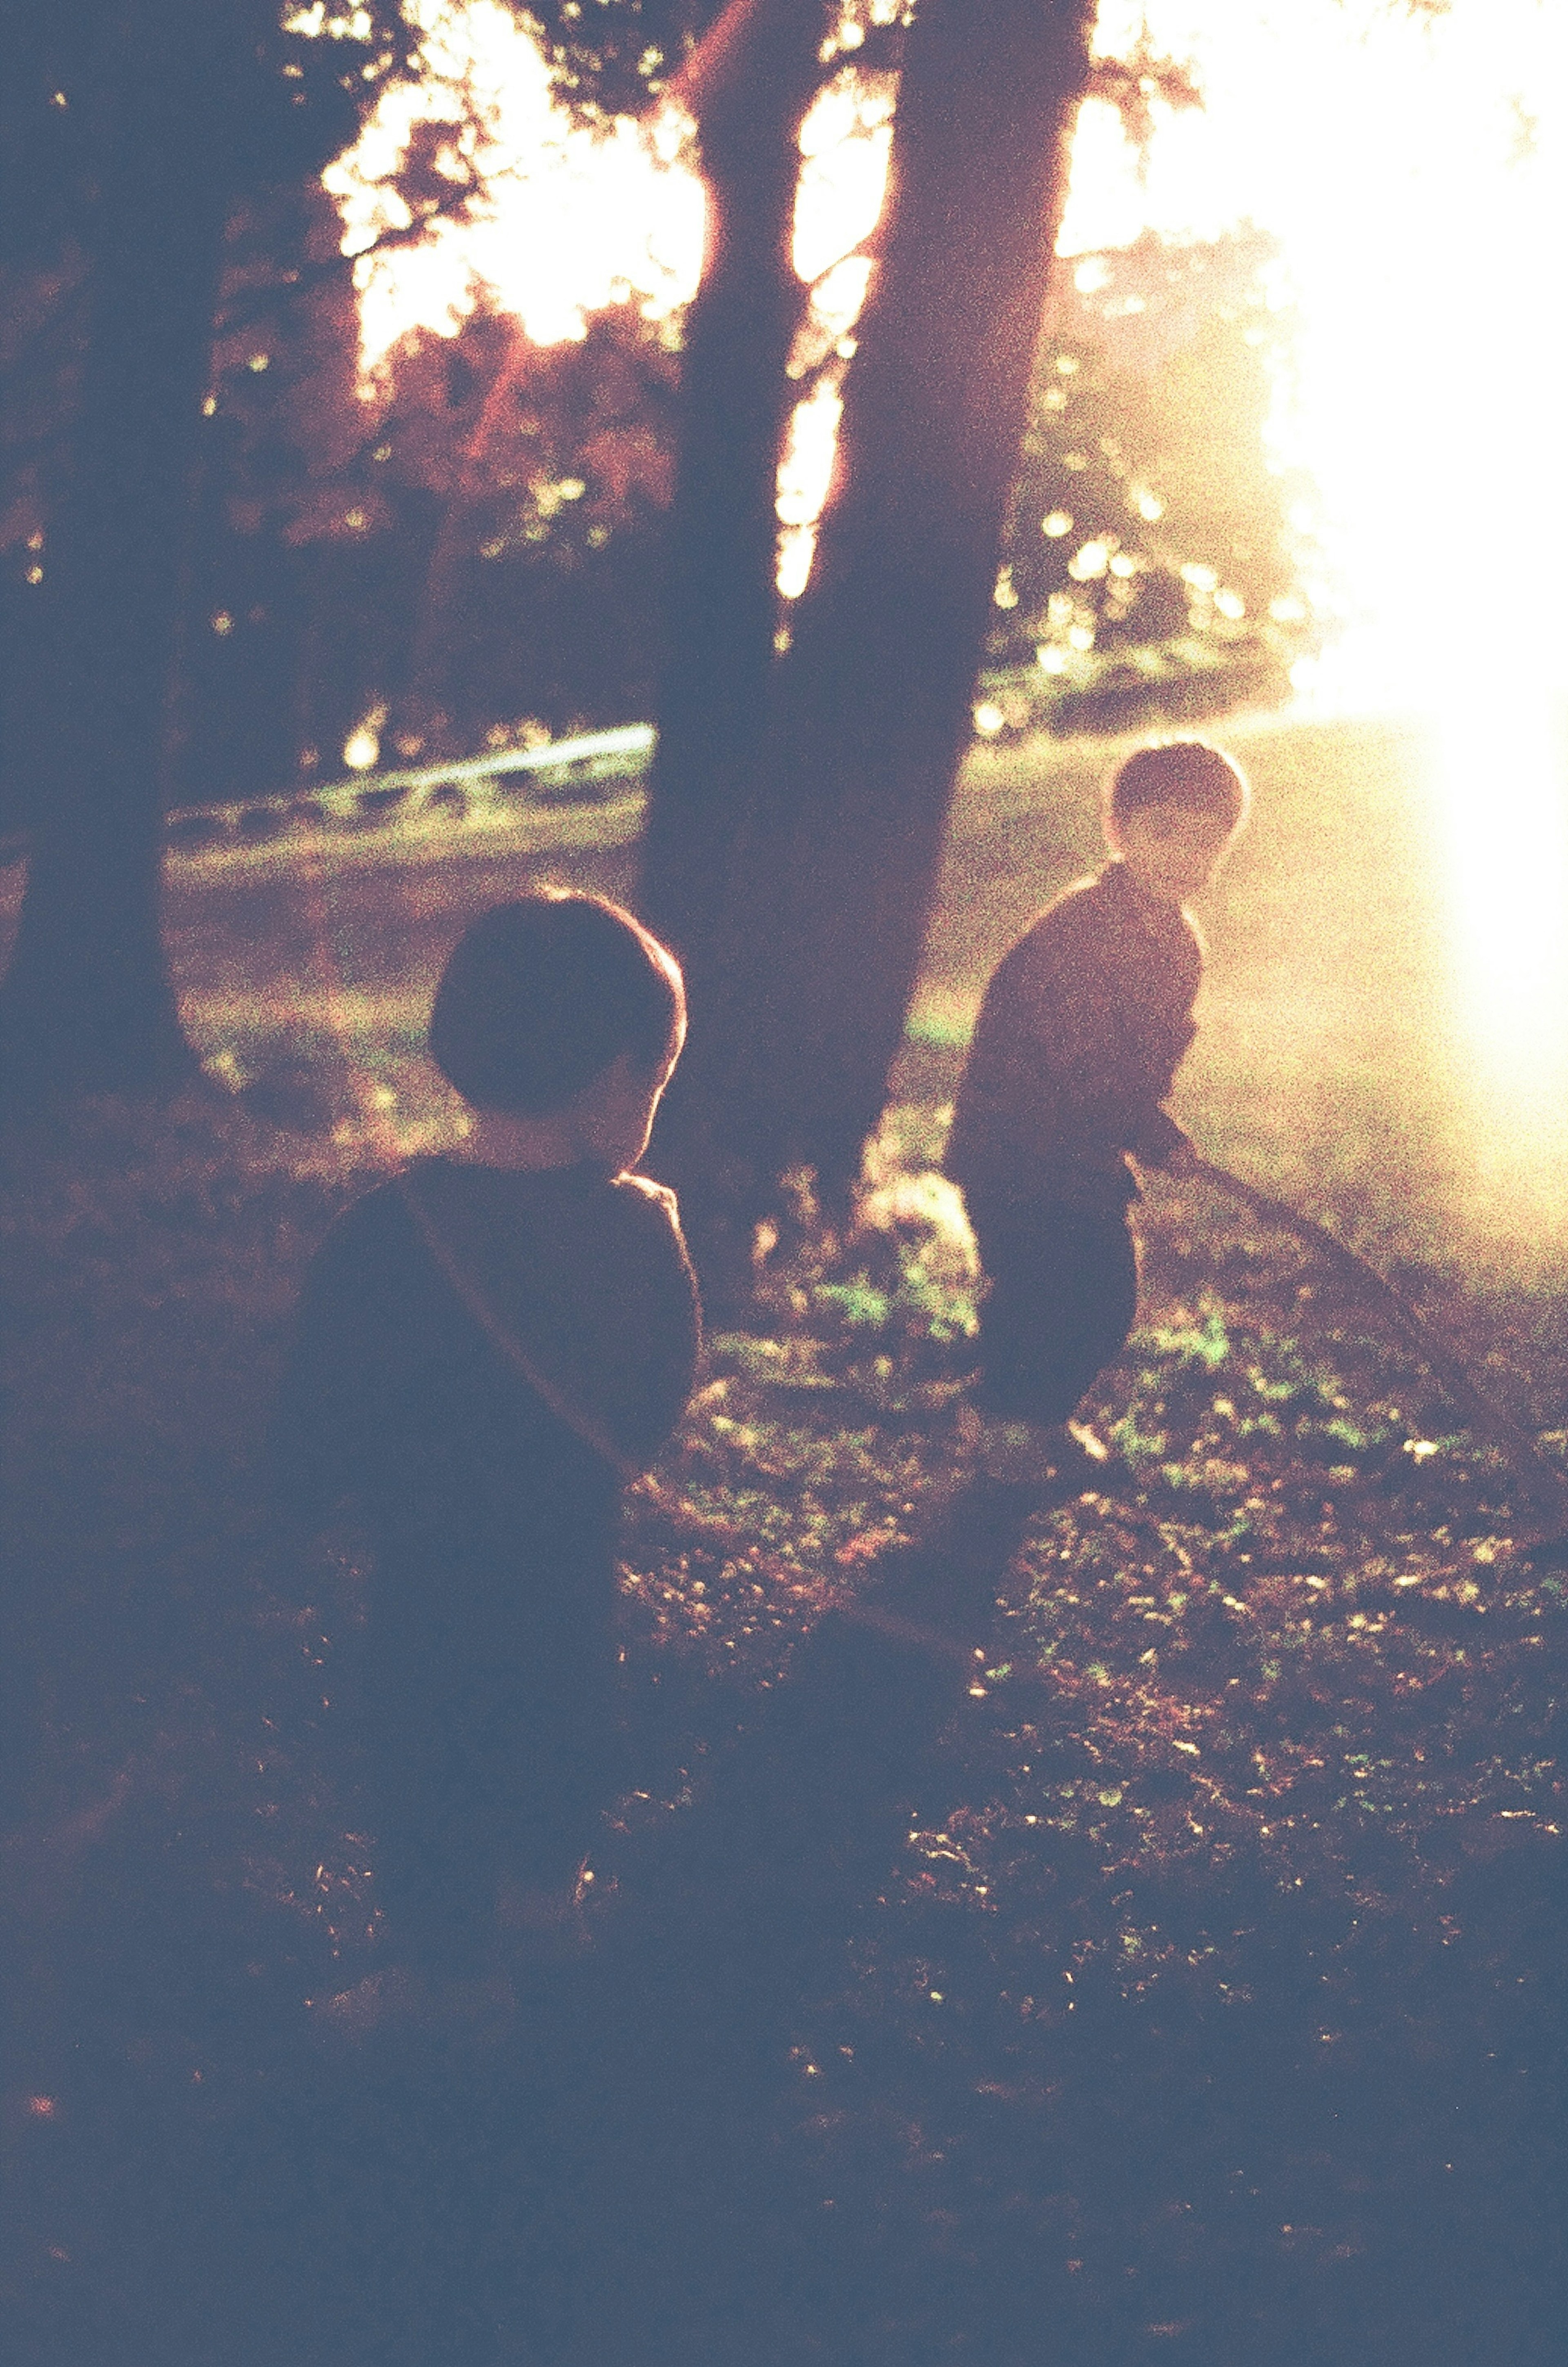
1082, 1028
487, 1347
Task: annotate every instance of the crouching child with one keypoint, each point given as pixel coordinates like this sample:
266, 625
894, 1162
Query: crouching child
1080, 1033
487, 1347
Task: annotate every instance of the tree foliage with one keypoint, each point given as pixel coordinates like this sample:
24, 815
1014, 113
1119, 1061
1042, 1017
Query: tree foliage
282, 90
611, 56
1153, 558
482, 518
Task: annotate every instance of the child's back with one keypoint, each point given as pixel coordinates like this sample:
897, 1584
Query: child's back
484, 1352
405, 1389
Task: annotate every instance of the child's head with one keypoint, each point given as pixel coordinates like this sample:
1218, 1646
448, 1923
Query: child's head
1172, 811
561, 1007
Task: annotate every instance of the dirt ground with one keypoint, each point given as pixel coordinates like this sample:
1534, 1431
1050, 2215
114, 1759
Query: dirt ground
1214, 2012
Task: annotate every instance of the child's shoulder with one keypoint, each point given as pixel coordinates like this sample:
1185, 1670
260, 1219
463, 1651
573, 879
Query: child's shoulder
649, 1216
388, 1223
640, 1192
634, 1256
1074, 909
374, 1219
1101, 911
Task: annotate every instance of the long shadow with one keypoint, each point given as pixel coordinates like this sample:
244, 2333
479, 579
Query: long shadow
616, 2173
200, 2174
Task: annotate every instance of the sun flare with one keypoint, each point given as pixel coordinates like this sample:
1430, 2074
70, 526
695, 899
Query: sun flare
1413, 171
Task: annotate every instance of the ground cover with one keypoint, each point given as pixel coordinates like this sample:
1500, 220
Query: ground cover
1212, 2013
1371, 1045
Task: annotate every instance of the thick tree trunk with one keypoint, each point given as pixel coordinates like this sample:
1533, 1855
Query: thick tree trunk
749, 84
88, 1006
831, 893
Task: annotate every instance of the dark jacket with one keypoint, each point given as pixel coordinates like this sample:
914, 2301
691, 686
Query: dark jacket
1079, 1035
400, 1395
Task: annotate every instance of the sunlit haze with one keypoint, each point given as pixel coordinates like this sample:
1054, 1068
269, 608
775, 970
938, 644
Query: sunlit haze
1417, 176
1414, 172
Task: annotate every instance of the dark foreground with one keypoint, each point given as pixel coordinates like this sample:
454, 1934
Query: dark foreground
1208, 2007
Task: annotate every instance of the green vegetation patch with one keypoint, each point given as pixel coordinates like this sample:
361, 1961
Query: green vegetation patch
1230, 1914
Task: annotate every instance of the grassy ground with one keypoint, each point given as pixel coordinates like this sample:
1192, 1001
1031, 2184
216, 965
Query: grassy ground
1213, 2013
1372, 1044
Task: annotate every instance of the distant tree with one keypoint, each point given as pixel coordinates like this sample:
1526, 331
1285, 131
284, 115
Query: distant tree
551, 495
286, 508
611, 57
471, 539
130, 132
440, 545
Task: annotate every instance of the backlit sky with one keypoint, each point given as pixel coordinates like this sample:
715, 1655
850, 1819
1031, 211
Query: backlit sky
1415, 173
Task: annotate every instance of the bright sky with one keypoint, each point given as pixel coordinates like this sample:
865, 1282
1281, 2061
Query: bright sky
1418, 178
572, 222
1415, 173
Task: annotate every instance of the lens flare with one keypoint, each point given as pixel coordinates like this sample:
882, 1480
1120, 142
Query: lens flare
1413, 169
1501, 780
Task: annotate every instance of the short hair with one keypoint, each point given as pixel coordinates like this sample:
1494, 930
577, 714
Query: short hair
1179, 773
540, 996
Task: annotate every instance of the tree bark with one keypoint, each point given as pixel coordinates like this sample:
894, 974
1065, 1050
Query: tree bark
88, 1006
750, 85
830, 893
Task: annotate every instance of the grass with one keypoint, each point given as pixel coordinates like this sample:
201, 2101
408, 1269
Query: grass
1347, 1057
1212, 2013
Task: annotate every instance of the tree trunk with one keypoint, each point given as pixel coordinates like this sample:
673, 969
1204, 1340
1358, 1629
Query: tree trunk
749, 84
832, 889
88, 1006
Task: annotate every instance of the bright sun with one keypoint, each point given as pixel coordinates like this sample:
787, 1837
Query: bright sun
571, 222
1413, 168
1415, 174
